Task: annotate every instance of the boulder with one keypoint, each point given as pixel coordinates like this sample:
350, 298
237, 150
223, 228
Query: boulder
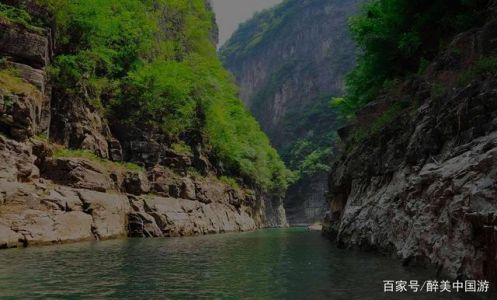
63, 198
136, 183
77, 173
143, 225
36, 77
115, 150
42, 227
9, 238
188, 189
17, 161
164, 181
109, 213
42, 150
180, 217
95, 142
26, 47
20, 113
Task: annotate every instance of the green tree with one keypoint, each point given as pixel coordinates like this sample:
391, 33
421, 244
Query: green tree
397, 37
151, 63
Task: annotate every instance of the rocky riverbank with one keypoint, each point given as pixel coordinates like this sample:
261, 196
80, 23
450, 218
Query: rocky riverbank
75, 199
65, 174
424, 186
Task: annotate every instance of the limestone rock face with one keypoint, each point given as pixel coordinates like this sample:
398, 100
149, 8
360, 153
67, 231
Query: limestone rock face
76, 199
425, 187
109, 212
304, 201
24, 110
34, 219
136, 183
77, 173
8, 238
274, 212
17, 161
287, 67
179, 217
49, 199
29, 48
77, 124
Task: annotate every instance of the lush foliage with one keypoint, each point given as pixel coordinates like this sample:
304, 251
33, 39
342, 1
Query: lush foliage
307, 136
483, 66
10, 14
384, 119
151, 63
314, 138
11, 83
61, 152
398, 37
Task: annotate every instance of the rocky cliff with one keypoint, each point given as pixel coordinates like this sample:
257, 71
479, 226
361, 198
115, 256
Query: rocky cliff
423, 184
289, 62
65, 173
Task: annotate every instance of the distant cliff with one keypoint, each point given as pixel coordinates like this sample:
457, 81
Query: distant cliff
289, 62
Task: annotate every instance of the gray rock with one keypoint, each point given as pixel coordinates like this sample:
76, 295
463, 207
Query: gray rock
180, 217
77, 173
188, 189
109, 213
424, 187
8, 238
27, 47
136, 183
17, 160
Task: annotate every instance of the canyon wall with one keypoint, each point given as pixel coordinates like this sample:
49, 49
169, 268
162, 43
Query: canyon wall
51, 194
424, 185
289, 62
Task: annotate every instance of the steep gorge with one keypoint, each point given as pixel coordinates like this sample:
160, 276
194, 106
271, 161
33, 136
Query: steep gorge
74, 167
289, 62
416, 176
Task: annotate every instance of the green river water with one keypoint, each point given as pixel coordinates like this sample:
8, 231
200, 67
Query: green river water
268, 264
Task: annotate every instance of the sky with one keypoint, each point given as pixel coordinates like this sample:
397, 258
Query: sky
230, 13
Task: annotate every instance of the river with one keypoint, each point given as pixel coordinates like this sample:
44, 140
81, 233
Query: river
268, 264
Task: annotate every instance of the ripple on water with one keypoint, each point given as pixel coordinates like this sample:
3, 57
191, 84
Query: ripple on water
268, 264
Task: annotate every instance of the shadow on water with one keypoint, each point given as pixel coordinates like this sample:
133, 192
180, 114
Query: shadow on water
268, 264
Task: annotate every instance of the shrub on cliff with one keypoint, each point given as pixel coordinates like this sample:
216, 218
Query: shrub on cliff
398, 37
151, 63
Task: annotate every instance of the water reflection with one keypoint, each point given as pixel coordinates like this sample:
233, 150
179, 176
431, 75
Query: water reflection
270, 264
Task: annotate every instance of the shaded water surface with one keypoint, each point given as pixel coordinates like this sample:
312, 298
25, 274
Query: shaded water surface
269, 264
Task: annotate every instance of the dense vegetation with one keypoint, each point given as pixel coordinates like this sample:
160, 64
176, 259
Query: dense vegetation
151, 63
400, 37
260, 29
10, 14
313, 138
306, 136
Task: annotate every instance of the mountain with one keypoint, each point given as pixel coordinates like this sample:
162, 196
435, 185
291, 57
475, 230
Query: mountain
117, 118
289, 62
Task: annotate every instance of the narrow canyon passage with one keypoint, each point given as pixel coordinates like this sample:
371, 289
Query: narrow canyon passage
188, 149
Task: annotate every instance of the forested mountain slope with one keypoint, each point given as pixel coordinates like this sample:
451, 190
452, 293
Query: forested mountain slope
117, 118
289, 62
